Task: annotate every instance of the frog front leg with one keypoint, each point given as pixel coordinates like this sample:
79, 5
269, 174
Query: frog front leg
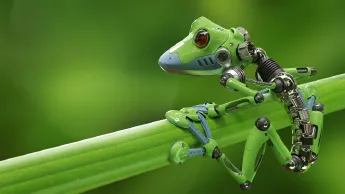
185, 118
234, 80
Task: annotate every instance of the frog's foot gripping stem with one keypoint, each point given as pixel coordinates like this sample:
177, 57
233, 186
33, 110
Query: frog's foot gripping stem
254, 150
185, 119
180, 151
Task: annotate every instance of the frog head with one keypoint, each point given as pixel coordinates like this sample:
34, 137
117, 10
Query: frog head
209, 49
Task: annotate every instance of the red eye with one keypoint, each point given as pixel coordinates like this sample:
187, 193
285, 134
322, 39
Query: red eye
202, 38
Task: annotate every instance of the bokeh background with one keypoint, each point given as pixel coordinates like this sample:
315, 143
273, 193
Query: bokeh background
74, 69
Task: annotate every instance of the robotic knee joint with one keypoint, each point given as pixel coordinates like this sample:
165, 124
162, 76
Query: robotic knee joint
262, 123
318, 107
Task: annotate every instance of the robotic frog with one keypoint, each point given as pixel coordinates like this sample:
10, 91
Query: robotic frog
210, 49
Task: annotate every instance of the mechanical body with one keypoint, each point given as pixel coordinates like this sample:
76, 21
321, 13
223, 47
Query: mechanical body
210, 49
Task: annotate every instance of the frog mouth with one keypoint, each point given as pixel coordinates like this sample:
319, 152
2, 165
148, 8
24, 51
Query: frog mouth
175, 71
192, 72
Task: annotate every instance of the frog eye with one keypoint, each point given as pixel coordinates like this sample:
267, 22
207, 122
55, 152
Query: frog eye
202, 38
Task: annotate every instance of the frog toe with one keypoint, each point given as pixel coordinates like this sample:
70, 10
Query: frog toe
177, 118
191, 113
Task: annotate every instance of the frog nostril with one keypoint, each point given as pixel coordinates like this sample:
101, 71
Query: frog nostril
168, 59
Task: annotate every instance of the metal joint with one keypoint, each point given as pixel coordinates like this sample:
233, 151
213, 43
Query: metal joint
224, 78
216, 153
318, 107
259, 98
303, 115
246, 185
262, 123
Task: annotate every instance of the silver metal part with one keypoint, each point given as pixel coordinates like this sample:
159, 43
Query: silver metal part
292, 165
223, 57
237, 73
256, 82
303, 115
244, 32
304, 131
296, 101
243, 51
308, 130
289, 82
259, 55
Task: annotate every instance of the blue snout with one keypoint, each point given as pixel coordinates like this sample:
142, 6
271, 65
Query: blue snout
170, 62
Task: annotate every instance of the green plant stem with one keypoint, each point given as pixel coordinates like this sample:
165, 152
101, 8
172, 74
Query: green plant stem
91, 163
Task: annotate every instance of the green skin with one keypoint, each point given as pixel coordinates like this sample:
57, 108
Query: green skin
257, 139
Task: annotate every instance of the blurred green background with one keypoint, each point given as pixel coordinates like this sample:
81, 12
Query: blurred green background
74, 69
